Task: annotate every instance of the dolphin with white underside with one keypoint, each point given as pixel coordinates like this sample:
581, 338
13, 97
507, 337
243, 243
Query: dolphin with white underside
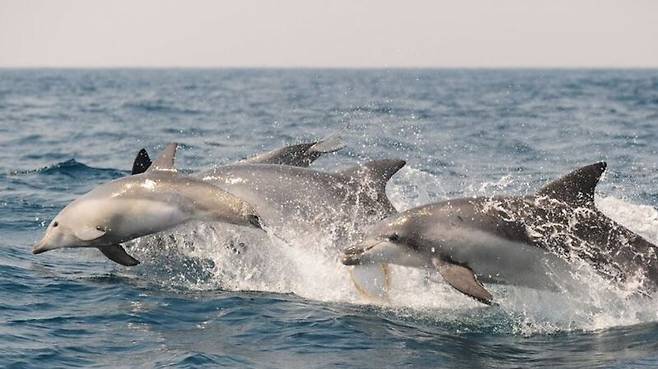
300, 202
515, 240
127, 208
286, 194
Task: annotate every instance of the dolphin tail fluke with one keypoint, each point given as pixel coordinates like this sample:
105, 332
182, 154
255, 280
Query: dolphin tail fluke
463, 280
117, 254
372, 281
300, 155
329, 144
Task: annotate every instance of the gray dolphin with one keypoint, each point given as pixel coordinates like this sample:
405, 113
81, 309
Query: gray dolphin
512, 240
286, 193
299, 202
141, 204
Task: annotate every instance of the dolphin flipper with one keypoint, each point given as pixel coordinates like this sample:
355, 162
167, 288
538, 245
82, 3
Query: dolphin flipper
463, 280
117, 254
371, 281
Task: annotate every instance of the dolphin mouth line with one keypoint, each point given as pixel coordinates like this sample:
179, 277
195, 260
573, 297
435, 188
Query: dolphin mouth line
352, 255
39, 248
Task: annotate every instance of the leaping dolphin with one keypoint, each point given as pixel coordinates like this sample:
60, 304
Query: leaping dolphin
310, 204
139, 205
512, 239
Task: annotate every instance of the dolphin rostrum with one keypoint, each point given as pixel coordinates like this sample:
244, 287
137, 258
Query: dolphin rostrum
515, 240
139, 205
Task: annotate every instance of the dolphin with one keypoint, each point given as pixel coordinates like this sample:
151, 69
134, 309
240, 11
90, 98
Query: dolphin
288, 194
517, 240
127, 208
298, 202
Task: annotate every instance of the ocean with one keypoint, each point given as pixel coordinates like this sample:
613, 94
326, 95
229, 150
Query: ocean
194, 303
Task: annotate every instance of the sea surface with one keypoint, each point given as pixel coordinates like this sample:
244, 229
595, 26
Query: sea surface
462, 132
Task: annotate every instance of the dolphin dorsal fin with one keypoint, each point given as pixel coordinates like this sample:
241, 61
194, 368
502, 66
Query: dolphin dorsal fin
577, 187
376, 173
380, 171
142, 162
166, 159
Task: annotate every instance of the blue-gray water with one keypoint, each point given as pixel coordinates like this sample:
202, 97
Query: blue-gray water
463, 132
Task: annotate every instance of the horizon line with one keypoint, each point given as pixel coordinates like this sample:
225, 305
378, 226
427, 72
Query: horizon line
275, 67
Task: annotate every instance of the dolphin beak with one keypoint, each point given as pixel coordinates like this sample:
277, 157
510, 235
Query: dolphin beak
354, 254
40, 247
351, 259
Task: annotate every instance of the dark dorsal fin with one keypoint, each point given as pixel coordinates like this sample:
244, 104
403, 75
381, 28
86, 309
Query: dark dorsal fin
376, 173
142, 162
577, 187
166, 159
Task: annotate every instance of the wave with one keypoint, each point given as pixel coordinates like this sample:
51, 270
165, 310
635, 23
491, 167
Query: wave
71, 168
160, 106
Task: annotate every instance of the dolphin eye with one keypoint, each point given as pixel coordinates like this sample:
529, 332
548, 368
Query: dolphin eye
55, 224
99, 228
394, 237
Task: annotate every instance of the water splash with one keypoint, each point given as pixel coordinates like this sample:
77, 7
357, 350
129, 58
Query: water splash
207, 257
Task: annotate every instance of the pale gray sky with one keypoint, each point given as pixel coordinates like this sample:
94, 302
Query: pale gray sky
341, 33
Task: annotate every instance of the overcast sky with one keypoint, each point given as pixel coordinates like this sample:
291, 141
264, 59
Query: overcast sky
308, 33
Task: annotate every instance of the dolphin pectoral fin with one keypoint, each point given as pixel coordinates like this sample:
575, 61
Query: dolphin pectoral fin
142, 162
372, 281
117, 254
463, 280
